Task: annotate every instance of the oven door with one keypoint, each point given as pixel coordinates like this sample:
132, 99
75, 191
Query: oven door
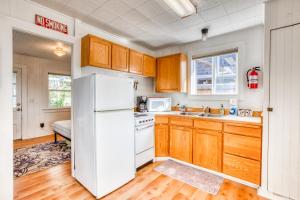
144, 138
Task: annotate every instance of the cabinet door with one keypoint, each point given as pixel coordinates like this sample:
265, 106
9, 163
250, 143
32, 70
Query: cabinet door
284, 128
207, 149
161, 140
120, 58
136, 62
168, 74
181, 143
149, 68
100, 53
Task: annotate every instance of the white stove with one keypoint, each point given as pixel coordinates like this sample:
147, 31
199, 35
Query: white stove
144, 138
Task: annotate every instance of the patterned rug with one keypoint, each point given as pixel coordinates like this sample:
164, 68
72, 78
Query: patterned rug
197, 178
43, 156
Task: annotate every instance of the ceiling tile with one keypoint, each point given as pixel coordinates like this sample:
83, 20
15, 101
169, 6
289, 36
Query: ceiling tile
238, 5
116, 6
120, 24
213, 13
134, 16
151, 9
134, 3
84, 7
207, 4
103, 15
166, 18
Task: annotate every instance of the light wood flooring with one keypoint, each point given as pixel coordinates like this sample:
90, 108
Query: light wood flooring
57, 183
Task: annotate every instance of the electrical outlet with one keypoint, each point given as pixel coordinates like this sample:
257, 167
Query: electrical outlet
42, 125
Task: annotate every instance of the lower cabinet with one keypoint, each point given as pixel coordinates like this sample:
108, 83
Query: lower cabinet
243, 168
162, 140
207, 149
181, 143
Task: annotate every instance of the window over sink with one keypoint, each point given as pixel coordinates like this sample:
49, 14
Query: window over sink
215, 74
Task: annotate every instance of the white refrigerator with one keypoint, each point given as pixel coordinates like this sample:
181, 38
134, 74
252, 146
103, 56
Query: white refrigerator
103, 108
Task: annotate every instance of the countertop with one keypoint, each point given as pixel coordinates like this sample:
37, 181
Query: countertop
256, 120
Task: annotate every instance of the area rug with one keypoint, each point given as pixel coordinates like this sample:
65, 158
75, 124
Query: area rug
43, 156
202, 180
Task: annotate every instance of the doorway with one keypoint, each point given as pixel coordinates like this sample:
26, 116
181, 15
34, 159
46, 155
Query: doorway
41, 101
17, 103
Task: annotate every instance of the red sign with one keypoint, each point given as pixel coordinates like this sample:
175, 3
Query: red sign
51, 24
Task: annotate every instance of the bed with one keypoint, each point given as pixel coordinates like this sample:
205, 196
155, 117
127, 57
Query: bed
62, 128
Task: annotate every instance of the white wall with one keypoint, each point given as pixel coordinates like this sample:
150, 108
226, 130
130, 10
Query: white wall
35, 94
250, 44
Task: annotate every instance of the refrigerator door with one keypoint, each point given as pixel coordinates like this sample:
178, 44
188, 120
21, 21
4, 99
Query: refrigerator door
115, 150
84, 132
113, 93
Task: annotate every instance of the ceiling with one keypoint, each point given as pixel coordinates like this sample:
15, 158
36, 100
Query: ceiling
31, 45
153, 25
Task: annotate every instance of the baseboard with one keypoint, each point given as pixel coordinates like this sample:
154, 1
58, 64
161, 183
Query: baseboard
252, 185
269, 195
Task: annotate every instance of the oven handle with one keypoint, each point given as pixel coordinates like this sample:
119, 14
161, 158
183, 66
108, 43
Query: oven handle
144, 127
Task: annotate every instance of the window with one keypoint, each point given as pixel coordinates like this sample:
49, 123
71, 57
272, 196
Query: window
59, 90
215, 75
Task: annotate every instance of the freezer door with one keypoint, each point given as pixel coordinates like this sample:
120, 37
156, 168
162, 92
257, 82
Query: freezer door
113, 93
115, 150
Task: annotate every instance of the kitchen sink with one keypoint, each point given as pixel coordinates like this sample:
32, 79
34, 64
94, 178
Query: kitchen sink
200, 114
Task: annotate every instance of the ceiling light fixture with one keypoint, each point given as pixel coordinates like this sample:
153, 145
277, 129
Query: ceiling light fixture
204, 32
59, 51
183, 8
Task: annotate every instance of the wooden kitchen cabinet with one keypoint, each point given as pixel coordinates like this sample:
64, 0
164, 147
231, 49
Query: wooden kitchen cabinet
243, 168
136, 60
171, 73
181, 143
162, 140
207, 149
149, 66
120, 58
95, 52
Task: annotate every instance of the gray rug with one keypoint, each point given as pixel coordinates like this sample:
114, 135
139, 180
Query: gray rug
43, 156
202, 180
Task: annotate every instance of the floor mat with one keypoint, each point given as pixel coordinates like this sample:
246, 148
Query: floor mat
43, 156
202, 180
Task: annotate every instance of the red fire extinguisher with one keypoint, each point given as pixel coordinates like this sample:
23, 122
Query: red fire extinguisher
252, 77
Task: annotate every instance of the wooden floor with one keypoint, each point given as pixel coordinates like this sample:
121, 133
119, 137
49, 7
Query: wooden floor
57, 183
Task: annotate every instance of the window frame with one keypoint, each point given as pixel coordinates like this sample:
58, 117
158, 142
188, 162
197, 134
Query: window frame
215, 51
53, 107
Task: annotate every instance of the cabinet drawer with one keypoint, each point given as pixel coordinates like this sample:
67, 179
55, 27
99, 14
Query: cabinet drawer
180, 121
210, 125
243, 129
242, 168
161, 120
249, 147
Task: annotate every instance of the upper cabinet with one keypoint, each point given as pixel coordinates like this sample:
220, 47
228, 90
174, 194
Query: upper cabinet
149, 67
171, 73
95, 52
136, 60
283, 13
101, 53
120, 58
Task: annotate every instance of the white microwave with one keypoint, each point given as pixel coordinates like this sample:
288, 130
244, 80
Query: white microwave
159, 104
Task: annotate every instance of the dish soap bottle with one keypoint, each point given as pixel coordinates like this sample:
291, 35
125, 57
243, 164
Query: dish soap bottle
222, 110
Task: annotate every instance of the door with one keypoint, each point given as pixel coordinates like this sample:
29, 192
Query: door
120, 58
162, 140
149, 68
115, 149
284, 128
17, 103
207, 149
181, 143
144, 138
100, 52
113, 93
168, 74
135, 62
